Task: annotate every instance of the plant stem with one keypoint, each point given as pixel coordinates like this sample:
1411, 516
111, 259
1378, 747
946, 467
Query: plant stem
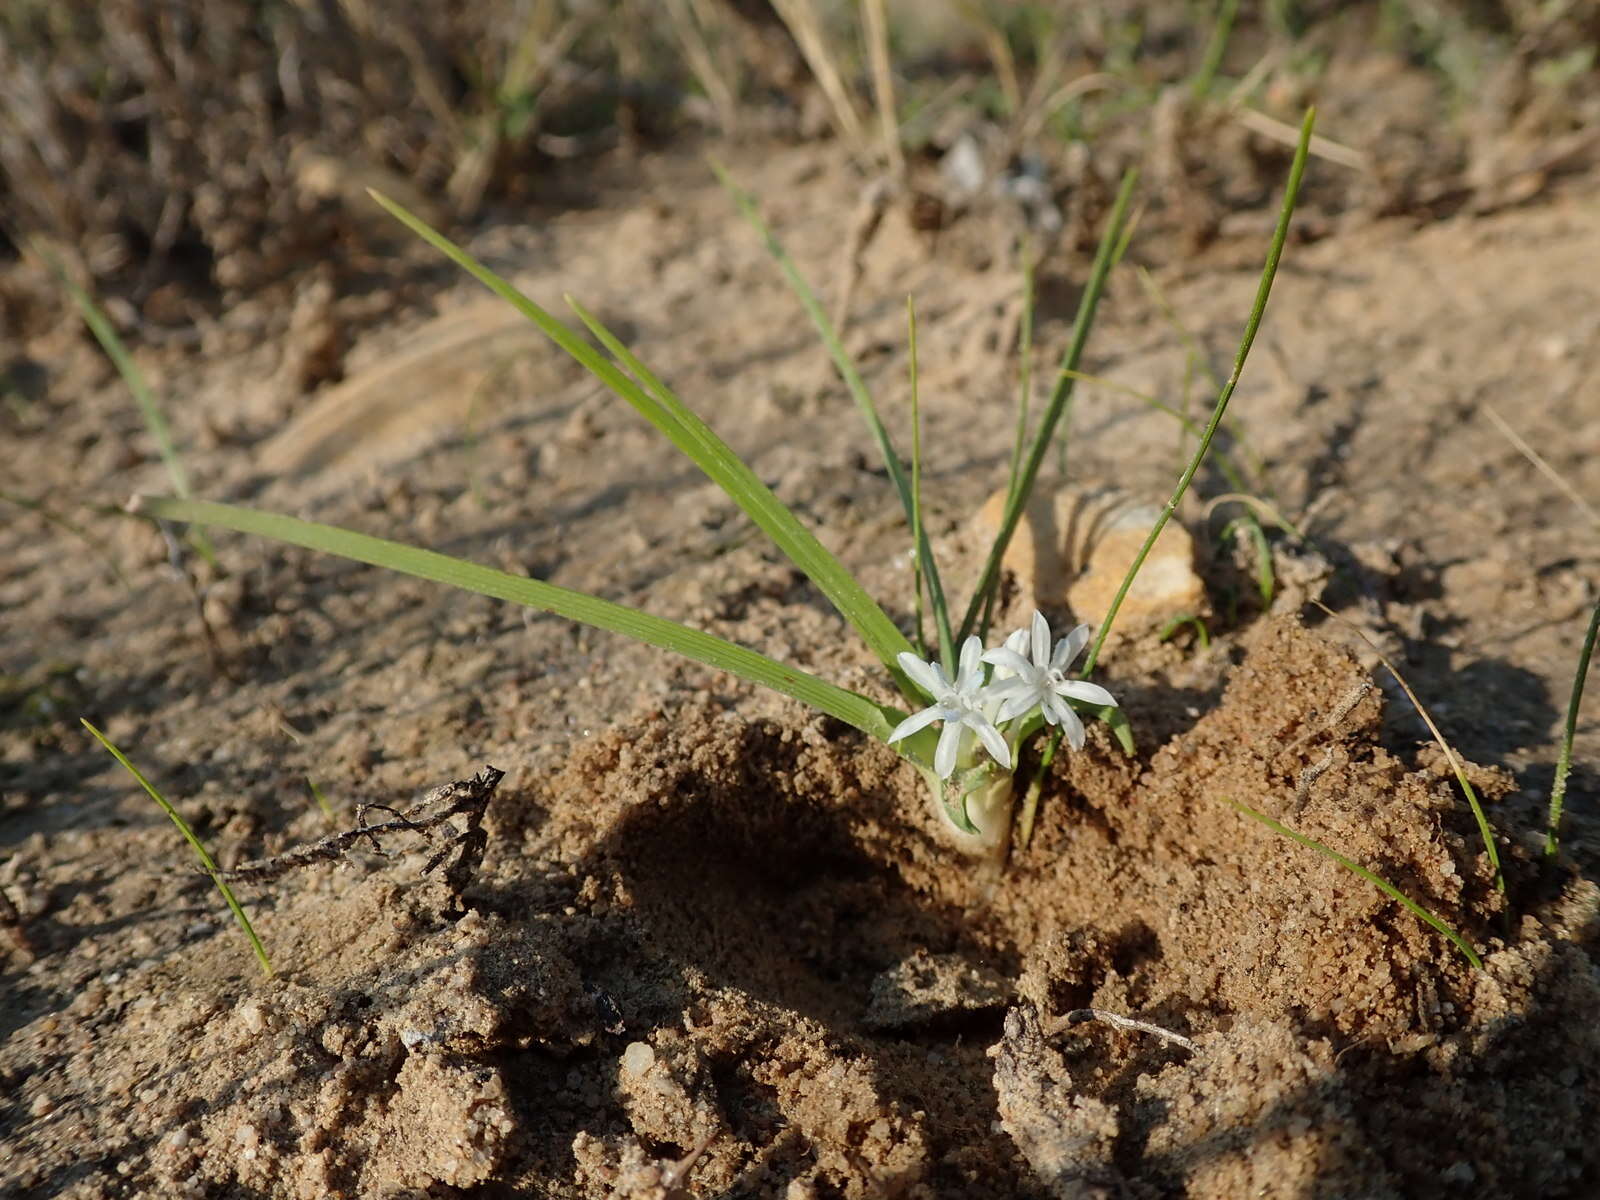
1558, 789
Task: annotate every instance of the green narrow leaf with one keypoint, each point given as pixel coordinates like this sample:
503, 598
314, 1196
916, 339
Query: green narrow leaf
917, 564
1110, 243
1258, 310
1558, 788
200, 851
662, 408
853, 709
154, 420
1250, 525
1383, 885
863, 398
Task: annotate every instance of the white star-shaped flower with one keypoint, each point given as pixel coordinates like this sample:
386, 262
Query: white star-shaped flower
963, 705
1041, 681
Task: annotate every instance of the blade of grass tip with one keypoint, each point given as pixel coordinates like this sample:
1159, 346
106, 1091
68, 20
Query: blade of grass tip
856, 710
1558, 788
1484, 831
154, 420
1104, 258
667, 413
206, 861
858, 391
1258, 310
916, 475
1383, 885
322, 801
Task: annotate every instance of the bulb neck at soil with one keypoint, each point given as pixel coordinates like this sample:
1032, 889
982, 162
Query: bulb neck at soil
982, 795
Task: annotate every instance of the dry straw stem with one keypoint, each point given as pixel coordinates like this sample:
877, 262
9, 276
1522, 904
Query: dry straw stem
1542, 465
685, 17
805, 25
1383, 885
876, 26
1484, 831
207, 863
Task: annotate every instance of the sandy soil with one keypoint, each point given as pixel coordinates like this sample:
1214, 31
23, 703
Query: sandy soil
710, 925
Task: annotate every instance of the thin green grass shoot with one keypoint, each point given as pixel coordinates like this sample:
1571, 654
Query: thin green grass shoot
1484, 831
1201, 634
322, 801
1246, 525
1558, 787
1257, 311
1216, 47
1024, 403
916, 473
1383, 885
154, 420
1198, 362
863, 398
207, 863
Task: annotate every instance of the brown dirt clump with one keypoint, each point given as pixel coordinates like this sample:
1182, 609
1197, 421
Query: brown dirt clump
681, 954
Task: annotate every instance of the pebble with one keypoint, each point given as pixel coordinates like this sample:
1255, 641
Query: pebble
1072, 547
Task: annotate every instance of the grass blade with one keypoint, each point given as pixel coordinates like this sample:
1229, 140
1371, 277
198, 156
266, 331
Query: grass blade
200, 851
663, 409
1558, 789
154, 420
917, 563
1060, 395
1263, 290
1383, 885
863, 398
849, 707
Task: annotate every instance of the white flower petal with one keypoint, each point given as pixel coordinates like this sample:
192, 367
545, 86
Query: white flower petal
1072, 726
944, 757
1010, 660
926, 676
1089, 693
992, 742
1069, 647
916, 721
1020, 702
1041, 640
970, 674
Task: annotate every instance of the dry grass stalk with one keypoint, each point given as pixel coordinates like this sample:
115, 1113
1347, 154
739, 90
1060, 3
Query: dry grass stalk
805, 26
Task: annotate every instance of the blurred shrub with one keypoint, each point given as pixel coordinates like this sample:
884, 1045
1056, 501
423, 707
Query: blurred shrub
210, 142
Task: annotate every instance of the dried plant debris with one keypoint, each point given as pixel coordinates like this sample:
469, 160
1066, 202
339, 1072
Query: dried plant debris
1066, 1137
432, 817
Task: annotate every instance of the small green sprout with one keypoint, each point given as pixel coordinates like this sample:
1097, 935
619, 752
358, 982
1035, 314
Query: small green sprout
207, 863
